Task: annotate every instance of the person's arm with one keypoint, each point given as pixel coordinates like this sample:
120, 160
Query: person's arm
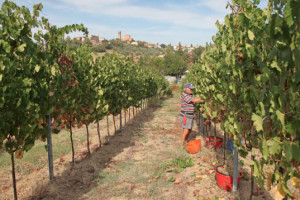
198, 100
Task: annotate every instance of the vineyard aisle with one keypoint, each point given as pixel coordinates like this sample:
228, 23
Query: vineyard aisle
144, 161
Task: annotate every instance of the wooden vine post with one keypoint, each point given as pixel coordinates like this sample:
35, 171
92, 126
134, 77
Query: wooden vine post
49, 149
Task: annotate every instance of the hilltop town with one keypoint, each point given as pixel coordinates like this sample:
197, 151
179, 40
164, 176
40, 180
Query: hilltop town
97, 40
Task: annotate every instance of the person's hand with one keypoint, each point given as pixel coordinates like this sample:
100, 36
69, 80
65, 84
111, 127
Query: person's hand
198, 100
202, 101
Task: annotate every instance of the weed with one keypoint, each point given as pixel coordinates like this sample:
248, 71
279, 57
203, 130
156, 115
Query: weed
245, 176
171, 179
181, 163
241, 162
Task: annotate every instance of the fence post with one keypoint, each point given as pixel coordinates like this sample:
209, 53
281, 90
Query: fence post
121, 119
235, 170
49, 147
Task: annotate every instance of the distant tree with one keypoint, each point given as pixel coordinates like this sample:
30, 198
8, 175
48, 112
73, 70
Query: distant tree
196, 53
174, 63
158, 64
106, 44
87, 42
117, 42
145, 61
98, 48
141, 43
68, 40
180, 52
73, 43
163, 46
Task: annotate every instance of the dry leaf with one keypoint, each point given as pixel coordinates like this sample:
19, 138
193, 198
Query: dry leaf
196, 193
177, 181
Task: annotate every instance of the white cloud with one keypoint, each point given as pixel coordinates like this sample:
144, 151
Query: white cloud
120, 8
192, 21
216, 5
54, 5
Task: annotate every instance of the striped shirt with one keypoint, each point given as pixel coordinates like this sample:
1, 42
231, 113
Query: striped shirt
187, 107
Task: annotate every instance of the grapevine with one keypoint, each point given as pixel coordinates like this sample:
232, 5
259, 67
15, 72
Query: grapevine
252, 76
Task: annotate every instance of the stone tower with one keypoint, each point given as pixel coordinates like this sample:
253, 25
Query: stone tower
119, 35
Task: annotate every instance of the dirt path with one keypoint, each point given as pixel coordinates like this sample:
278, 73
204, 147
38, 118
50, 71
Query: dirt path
144, 161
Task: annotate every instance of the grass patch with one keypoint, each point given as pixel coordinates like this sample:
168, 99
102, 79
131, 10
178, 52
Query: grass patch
37, 156
155, 189
177, 164
167, 102
166, 114
142, 137
5, 160
173, 110
109, 176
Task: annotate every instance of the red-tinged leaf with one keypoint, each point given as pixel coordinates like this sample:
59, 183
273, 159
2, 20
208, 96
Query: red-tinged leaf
89, 184
61, 160
92, 170
5, 187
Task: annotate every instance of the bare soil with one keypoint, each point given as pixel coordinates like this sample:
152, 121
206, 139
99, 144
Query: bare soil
135, 164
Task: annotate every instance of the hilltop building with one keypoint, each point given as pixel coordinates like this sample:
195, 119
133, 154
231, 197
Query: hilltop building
102, 38
94, 39
119, 35
81, 39
127, 37
185, 47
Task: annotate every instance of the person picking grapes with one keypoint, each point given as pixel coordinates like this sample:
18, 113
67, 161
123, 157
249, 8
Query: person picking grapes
188, 101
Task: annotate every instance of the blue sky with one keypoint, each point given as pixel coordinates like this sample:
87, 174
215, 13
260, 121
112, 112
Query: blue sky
167, 21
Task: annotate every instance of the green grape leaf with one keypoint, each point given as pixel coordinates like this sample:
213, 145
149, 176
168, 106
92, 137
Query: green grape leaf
251, 35
280, 116
21, 47
274, 146
37, 68
258, 122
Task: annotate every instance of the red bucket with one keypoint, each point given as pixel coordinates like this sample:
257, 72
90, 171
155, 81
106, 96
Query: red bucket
225, 181
210, 141
193, 146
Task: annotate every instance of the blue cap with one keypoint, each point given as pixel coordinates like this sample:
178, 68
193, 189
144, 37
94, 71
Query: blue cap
189, 85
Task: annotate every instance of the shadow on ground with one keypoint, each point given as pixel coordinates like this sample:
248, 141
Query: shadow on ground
73, 183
